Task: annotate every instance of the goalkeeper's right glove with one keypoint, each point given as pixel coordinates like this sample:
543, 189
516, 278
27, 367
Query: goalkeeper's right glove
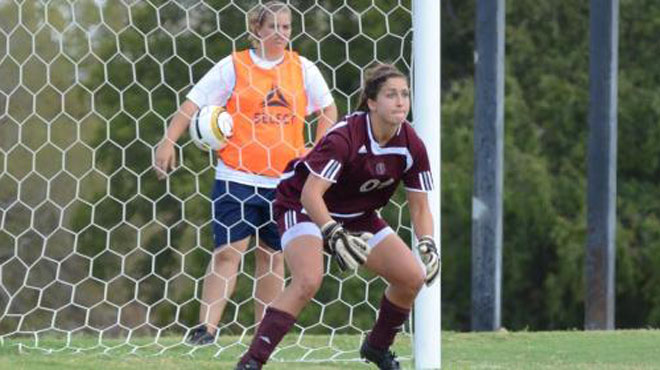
350, 251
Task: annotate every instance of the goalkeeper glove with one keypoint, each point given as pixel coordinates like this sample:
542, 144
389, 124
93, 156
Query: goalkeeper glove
364, 235
430, 257
350, 251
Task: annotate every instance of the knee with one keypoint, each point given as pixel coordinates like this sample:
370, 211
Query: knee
417, 281
277, 262
266, 257
225, 255
307, 285
413, 284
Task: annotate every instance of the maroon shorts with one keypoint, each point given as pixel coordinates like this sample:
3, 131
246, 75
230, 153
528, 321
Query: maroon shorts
369, 222
298, 223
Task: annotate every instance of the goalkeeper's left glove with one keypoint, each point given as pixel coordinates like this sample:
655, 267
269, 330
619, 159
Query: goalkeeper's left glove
430, 257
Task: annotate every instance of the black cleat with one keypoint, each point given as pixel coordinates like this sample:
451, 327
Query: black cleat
384, 359
248, 365
200, 337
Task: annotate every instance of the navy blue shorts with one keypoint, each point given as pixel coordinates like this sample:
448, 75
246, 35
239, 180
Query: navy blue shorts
240, 211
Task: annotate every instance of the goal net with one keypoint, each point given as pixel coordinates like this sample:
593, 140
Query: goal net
95, 252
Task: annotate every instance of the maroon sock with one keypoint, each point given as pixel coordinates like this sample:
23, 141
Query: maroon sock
389, 322
272, 329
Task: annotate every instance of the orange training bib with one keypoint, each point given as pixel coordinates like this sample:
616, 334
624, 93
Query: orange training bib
268, 108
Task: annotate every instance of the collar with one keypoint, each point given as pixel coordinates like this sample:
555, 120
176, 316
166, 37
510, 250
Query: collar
376, 149
264, 63
371, 136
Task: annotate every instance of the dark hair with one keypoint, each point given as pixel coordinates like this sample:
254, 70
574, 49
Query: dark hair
374, 78
257, 16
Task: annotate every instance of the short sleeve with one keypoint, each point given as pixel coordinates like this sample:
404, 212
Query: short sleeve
328, 157
216, 87
316, 88
418, 177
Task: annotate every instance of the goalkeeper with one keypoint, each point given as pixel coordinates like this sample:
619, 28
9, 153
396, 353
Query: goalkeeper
328, 200
268, 90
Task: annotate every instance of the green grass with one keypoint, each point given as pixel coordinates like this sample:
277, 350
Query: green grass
623, 349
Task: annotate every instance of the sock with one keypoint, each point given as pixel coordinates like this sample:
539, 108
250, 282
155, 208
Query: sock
272, 329
389, 322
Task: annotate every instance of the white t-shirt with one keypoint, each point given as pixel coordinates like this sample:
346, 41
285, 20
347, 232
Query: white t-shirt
217, 85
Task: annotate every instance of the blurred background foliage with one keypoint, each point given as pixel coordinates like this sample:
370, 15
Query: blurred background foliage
91, 240
546, 127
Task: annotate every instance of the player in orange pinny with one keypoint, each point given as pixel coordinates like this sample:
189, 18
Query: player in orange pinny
268, 90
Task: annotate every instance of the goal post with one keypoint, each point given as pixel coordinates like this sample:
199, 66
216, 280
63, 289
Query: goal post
426, 107
93, 245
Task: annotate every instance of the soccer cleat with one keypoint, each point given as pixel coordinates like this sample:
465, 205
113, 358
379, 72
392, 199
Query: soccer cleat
248, 365
200, 337
384, 359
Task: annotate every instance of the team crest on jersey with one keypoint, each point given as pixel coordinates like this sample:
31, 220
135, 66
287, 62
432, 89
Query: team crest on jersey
380, 168
275, 98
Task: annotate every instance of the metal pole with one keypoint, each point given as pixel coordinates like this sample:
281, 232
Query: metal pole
601, 195
426, 108
488, 166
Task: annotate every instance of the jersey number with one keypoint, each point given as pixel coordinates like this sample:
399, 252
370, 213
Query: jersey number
373, 184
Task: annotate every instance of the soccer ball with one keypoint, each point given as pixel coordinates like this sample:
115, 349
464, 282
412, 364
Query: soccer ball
210, 127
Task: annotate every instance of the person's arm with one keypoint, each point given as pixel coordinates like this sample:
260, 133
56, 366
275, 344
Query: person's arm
326, 118
214, 88
312, 199
165, 160
422, 221
350, 251
420, 213
331, 153
319, 95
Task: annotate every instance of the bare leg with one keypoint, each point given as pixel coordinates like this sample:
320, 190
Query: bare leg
219, 282
395, 262
392, 259
304, 257
269, 275
305, 261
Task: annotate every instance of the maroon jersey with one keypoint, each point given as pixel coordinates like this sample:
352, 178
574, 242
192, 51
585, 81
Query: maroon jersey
364, 173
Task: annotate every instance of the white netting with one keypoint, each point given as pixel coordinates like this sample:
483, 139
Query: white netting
92, 245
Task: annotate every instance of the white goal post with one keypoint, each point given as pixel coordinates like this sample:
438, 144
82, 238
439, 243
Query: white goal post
426, 107
96, 254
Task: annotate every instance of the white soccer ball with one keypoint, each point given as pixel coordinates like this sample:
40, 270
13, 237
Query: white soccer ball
210, 127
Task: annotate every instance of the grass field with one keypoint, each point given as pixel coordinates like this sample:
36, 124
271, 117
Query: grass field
623, 349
